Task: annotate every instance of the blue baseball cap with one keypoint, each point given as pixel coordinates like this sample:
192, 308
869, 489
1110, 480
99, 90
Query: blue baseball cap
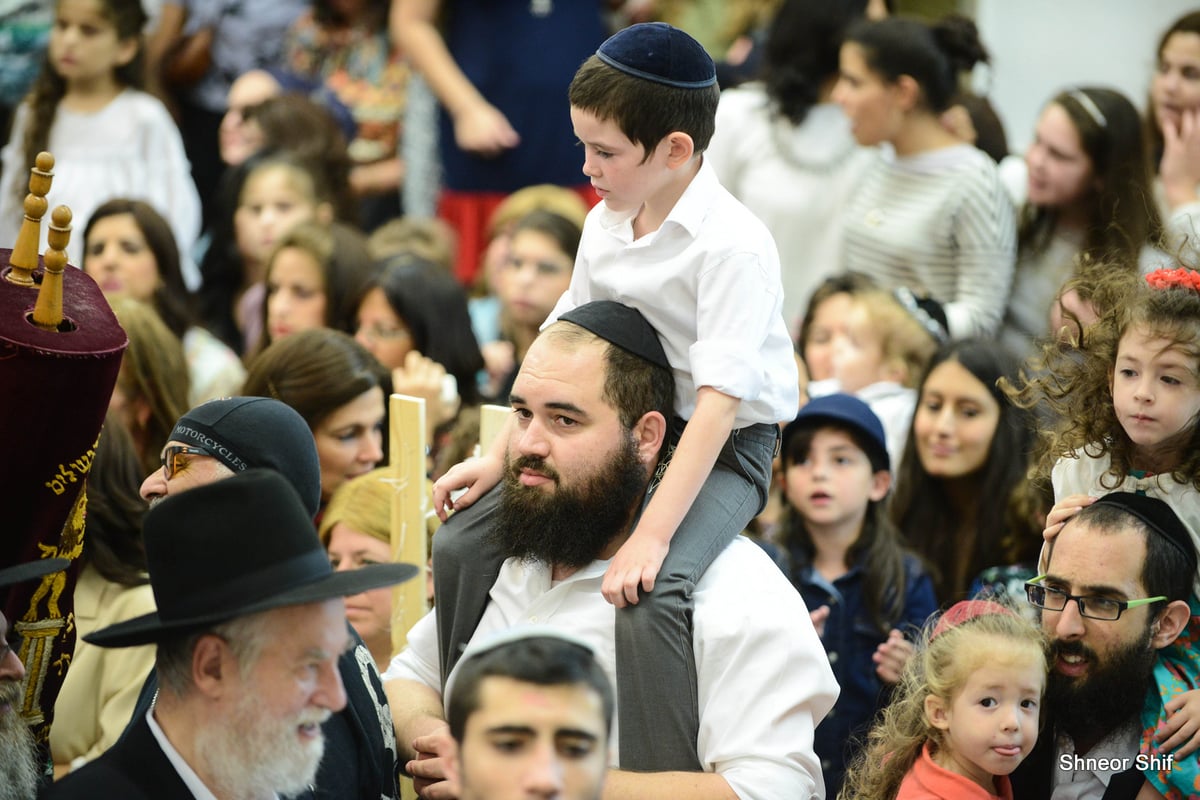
848, 411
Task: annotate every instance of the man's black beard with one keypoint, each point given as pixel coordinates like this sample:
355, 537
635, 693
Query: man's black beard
571, 525
1109, 696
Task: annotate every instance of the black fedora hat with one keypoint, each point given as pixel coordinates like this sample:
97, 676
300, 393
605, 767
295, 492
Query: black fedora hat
32, 569
235, 547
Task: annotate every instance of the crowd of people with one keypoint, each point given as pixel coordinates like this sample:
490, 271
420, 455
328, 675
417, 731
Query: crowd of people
850, 455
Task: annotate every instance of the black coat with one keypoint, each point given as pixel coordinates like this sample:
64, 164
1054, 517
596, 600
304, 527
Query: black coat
133, 768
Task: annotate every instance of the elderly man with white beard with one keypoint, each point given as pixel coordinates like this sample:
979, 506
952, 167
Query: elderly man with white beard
20, 772
249, 628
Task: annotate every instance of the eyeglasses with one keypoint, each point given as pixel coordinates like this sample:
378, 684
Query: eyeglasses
1091, 607
377, 334
173, 457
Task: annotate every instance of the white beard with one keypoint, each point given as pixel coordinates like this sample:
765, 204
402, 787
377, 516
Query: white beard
257, 757
18, 761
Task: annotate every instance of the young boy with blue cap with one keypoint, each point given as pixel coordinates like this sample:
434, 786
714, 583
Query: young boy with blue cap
668, 240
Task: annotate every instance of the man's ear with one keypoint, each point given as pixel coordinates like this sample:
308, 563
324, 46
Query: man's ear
680, 149
1169, 624
212, 661
936, 713
649, 433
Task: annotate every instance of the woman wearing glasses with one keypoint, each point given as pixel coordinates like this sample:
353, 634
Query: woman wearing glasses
413, 317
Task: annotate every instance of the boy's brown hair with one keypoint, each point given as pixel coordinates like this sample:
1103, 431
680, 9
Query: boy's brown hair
645, 111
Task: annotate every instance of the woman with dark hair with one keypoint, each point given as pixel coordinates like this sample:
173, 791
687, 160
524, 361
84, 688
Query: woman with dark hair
414, 304
966, 458
786, 151
101, 688
339, 388
1173, 133
935, 219
129, 249
414, 319
1088, 196
314, 278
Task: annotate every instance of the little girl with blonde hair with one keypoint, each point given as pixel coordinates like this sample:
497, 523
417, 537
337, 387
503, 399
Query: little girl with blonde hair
965, 714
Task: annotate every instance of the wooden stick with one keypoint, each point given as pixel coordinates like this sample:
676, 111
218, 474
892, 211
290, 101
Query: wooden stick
491, 422
24, 258
409, 504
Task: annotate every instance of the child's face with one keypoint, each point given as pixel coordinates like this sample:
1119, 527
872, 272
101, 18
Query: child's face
992, 723
1155, 391
833, 485
272, 202
536, 274
1176, 84
1060, 172
828, 323
955, 422
295, 293
614, 163
858, 357
84, 45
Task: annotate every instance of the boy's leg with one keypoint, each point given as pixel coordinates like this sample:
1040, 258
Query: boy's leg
656, 663
466, 563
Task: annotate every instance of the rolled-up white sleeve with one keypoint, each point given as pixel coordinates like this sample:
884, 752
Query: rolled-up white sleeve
764, 679
728, 352
419, 660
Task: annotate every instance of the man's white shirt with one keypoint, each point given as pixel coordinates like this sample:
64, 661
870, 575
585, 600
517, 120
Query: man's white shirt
764, 680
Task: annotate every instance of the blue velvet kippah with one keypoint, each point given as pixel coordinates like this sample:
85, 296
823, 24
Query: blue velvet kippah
658, 52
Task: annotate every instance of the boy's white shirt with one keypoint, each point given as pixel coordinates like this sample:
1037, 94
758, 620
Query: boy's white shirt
708, 281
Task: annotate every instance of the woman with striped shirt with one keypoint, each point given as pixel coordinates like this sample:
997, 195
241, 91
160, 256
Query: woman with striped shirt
934, 217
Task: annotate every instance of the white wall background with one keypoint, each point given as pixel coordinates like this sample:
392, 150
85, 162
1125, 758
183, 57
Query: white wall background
1039, 47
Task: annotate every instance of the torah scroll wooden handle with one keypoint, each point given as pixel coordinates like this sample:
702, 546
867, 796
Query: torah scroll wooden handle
48, 311
24, 258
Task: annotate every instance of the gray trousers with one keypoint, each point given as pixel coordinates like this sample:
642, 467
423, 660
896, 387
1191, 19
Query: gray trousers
656, 664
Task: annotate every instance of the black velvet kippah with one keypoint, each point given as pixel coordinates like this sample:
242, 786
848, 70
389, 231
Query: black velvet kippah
1159, 517
623, 326
658, 52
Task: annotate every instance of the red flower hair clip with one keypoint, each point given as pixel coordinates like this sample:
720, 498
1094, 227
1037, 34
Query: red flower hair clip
1178, 278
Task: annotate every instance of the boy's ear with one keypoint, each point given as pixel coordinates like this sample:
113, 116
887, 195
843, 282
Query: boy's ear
936, 712
680, 149
881, 482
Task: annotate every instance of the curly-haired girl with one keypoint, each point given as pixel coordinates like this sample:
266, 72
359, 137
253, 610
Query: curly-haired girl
1127, 404
964, 714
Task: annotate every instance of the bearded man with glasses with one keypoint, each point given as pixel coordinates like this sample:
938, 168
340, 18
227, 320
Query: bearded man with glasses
1114, 593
